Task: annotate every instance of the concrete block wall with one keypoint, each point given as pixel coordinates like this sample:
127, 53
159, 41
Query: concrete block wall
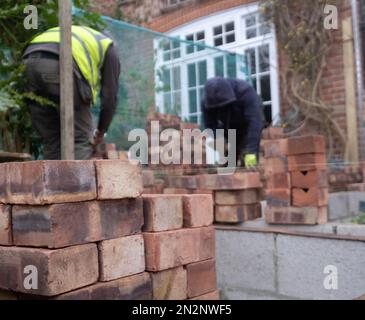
276, 266
86, 232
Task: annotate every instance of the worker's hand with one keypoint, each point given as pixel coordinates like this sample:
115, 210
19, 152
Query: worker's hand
250, 160
98, 137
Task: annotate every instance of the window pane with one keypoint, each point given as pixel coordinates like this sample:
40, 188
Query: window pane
189, 48
251, 21
201, 96
264, 58
166, 45
218, 41
177, 103
193, 119
230, 38
177, 79
166, 56
167, 102
192, 101
190, 37
200, 35
265, 29
251, 60
219, 66
176, 44
218, 30
192, 75
254, 83
265, 88
176, 54
200, 46
251, 33
202, 72
166, 80
268, 113
229, 26
231, 66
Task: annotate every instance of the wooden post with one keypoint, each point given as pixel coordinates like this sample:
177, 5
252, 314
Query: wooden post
66, 81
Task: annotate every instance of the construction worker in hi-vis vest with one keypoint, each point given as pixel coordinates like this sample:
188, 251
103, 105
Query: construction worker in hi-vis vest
95, 66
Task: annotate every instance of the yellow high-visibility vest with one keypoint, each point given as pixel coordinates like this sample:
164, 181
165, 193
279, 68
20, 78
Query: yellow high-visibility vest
88, 50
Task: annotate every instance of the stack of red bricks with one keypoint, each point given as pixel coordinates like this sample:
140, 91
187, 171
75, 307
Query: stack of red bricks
151, 185
236, 196
296, 180
72, 230
180, 246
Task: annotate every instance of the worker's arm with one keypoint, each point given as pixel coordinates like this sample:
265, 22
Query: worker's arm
109, 88
251, 109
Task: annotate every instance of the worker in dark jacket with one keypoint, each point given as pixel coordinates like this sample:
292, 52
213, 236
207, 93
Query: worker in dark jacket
234, 104
96, 64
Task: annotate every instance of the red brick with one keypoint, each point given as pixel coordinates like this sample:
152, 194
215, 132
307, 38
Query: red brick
46, 182
169, 284
136, 287
236, 197
185, 182
198, 210
278, 197
312, 197
59, 271
307, 162
356, 187
236, 181
208, 296
7, 295
121, 257
309, 179
237, 214
148, 178
275, 148
292, 215
201, 278
169, 249
67, 224
118, 179
275, 165
306, 144
279, 180
162, 212
273, 133
112, 154
201, 191
3, 182
175, 191
159, 185
6, 237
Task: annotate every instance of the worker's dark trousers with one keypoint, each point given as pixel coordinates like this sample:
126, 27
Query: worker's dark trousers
42, 71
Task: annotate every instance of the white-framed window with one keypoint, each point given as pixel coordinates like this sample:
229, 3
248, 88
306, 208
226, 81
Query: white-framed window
171, 80
240, 31
171, 49
224, 34
196, 42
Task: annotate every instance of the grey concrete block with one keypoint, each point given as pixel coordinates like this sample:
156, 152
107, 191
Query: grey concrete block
354, 199
238, 294
351, 230
301, 263
245, 260
338, 206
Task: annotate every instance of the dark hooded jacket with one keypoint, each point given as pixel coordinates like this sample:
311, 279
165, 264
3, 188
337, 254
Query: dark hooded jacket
234, 104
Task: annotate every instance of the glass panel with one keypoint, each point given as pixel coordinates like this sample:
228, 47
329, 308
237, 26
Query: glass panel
190, 37
177, 103
251, 60
190, 47
200, 35
166, 56
251, 21
230, 38
231, 66
166, 45
268, 113
265, 88
202, 72
192, 101
176, 54
218, 30
166, 80
265, 29
219, 66
218, 41
251, 33
229, 26
176, 44
192, 75
167, 102
200, 46
201, 95
193, 119
254, 83
264, 58
177, 78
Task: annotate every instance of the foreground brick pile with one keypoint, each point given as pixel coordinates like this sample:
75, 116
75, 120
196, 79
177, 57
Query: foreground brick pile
78, 225
236, 197
296, 180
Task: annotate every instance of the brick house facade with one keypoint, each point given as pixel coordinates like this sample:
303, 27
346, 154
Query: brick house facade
339, 83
